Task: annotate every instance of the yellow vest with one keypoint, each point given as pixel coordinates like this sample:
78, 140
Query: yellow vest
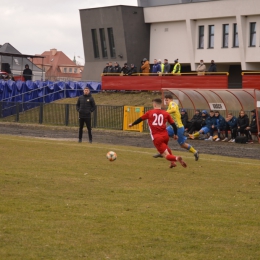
177, 68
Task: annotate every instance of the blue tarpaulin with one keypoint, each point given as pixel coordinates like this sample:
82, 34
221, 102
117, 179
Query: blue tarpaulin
12, 92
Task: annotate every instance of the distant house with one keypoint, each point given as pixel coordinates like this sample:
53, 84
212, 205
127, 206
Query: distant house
12, 59
58, 66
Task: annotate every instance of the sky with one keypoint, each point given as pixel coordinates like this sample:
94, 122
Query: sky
35, 26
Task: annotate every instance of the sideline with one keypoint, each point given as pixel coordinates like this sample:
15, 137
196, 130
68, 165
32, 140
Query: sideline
70, 140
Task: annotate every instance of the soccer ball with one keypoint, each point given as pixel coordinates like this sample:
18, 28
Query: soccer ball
111, 156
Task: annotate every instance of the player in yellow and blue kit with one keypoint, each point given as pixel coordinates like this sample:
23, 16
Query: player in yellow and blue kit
173, 110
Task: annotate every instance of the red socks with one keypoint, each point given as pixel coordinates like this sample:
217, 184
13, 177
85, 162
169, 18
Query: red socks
171, 157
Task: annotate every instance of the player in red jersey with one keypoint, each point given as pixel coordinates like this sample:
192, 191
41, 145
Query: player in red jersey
157, 119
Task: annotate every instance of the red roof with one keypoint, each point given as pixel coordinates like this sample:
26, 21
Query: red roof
54, 60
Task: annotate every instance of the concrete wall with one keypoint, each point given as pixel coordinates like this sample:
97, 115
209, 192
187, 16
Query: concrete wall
131, 37
182, 23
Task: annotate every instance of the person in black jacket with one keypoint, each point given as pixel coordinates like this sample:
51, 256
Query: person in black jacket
212, 67
117, 68
184, 118
106, 68
85, 106
242, 123
195, 123
125, 69
132, 70
27, 73
252, 128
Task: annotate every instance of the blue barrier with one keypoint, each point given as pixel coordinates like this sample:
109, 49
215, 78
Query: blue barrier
36, 92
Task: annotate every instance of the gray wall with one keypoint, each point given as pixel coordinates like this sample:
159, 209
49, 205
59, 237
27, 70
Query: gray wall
148, 3
131, 37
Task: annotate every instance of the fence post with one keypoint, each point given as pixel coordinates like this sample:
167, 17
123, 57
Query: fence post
41, 114
17, 112
95, 117
67, 112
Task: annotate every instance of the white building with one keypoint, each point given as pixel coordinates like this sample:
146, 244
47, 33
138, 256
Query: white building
227, 31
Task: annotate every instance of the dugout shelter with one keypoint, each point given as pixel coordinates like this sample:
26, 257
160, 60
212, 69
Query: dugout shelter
223, 100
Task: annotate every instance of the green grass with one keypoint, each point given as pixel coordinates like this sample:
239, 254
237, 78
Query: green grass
64, 200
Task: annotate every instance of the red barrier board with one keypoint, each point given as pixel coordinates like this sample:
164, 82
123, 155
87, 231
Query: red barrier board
251, 81
156, 83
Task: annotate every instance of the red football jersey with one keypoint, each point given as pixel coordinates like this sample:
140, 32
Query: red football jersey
157, 119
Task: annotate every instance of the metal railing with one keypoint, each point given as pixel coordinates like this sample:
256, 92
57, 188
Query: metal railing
168, 74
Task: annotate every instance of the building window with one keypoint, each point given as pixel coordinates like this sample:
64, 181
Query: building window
201, 37
65, 70
95, 43
103, 42
111, 42
235, 36
75, 70
70, 70
225, 35
211, 36
252, 34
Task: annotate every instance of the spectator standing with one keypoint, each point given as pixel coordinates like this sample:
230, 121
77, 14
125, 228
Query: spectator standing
212, 67
162, 65
167, 67
110, 68
195, 123
231, 125
156, 67
252, 128
201, 68
117, 68
146, 66
242, 123
132, 70
220, 124
106, 68
27, 73
176, 67
184, 117
85, 106
125, 69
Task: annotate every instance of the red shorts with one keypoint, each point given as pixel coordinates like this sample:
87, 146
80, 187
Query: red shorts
161, 142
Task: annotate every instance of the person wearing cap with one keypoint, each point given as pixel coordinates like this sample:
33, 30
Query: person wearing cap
184, 117
125, 69
208, 125
132, 70
156, 67
252, 128
27, 73
176, 67
212, 67
195, 123
166, 67
117, 68
231, 125
146, 66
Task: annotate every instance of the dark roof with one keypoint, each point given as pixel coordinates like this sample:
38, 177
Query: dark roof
17, 60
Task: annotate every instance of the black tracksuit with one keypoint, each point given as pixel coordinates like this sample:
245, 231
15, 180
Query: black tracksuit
85, 105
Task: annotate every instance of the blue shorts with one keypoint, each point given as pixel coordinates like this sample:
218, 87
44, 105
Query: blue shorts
180, 133
205, 130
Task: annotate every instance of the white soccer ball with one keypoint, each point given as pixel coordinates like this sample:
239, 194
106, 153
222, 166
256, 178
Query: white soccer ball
111, 156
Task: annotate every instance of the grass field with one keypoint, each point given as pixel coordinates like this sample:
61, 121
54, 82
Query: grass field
63, 200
